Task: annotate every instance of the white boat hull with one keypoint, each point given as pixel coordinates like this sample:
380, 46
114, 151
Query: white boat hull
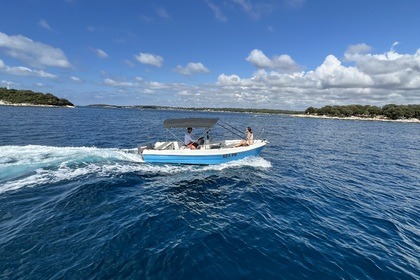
173, 153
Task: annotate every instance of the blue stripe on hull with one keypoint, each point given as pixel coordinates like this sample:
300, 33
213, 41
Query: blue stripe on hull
201, 159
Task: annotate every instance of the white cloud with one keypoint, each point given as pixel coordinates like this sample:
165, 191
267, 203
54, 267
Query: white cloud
217, 11
33, 53
100, 53
259, 59
358, 49
228, 80
24, 71
361, 77
332, 74
389, 70
157, 85
377, 79
282, 62
385, 63
114, 83
76, 79
150, 59
276, 79
254, 9
44, 24
192, 68
394, 45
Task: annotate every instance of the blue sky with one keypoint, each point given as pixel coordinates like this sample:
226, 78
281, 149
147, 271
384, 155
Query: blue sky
279, 54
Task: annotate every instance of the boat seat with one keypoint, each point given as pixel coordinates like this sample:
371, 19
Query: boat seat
230, 145
215, 145
164, 146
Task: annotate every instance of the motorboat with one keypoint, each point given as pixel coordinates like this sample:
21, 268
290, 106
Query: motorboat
208, 153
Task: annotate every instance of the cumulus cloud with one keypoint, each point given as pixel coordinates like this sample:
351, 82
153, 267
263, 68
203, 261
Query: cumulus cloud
24, 71
354, 79
192, 68
332, 74
281, 62
33, 53
150, 59
375, 79
389, 70
229, 80
374, 64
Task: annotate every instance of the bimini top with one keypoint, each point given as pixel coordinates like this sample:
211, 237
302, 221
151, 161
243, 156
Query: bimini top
190, 122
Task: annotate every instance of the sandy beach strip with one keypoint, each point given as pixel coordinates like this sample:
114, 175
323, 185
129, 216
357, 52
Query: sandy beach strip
31, 105
379, 118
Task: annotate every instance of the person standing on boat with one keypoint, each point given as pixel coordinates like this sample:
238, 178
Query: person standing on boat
249, 138
189, 140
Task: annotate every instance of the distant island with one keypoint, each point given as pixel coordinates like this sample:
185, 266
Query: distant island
30, 98
388, 112
231, 110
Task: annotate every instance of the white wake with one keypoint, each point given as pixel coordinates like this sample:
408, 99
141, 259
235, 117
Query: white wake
34, 165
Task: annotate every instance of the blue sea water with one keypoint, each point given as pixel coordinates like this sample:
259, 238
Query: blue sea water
326, 199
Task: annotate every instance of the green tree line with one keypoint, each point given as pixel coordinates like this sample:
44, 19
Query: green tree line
235, 110
14, 96
390, 111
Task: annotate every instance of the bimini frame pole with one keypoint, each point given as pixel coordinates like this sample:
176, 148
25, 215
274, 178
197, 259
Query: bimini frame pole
241, 136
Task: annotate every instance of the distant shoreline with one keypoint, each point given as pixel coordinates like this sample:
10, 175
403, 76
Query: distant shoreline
200, 109
378, 118
3, 103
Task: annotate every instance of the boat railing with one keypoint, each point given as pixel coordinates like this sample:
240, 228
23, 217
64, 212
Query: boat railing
261, 134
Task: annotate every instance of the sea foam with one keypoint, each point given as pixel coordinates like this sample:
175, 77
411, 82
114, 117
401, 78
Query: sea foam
34, 165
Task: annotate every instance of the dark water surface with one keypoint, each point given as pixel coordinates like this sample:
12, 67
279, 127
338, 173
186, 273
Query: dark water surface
327, 199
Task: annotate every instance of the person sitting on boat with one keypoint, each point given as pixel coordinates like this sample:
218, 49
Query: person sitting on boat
189, 140
249, 138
